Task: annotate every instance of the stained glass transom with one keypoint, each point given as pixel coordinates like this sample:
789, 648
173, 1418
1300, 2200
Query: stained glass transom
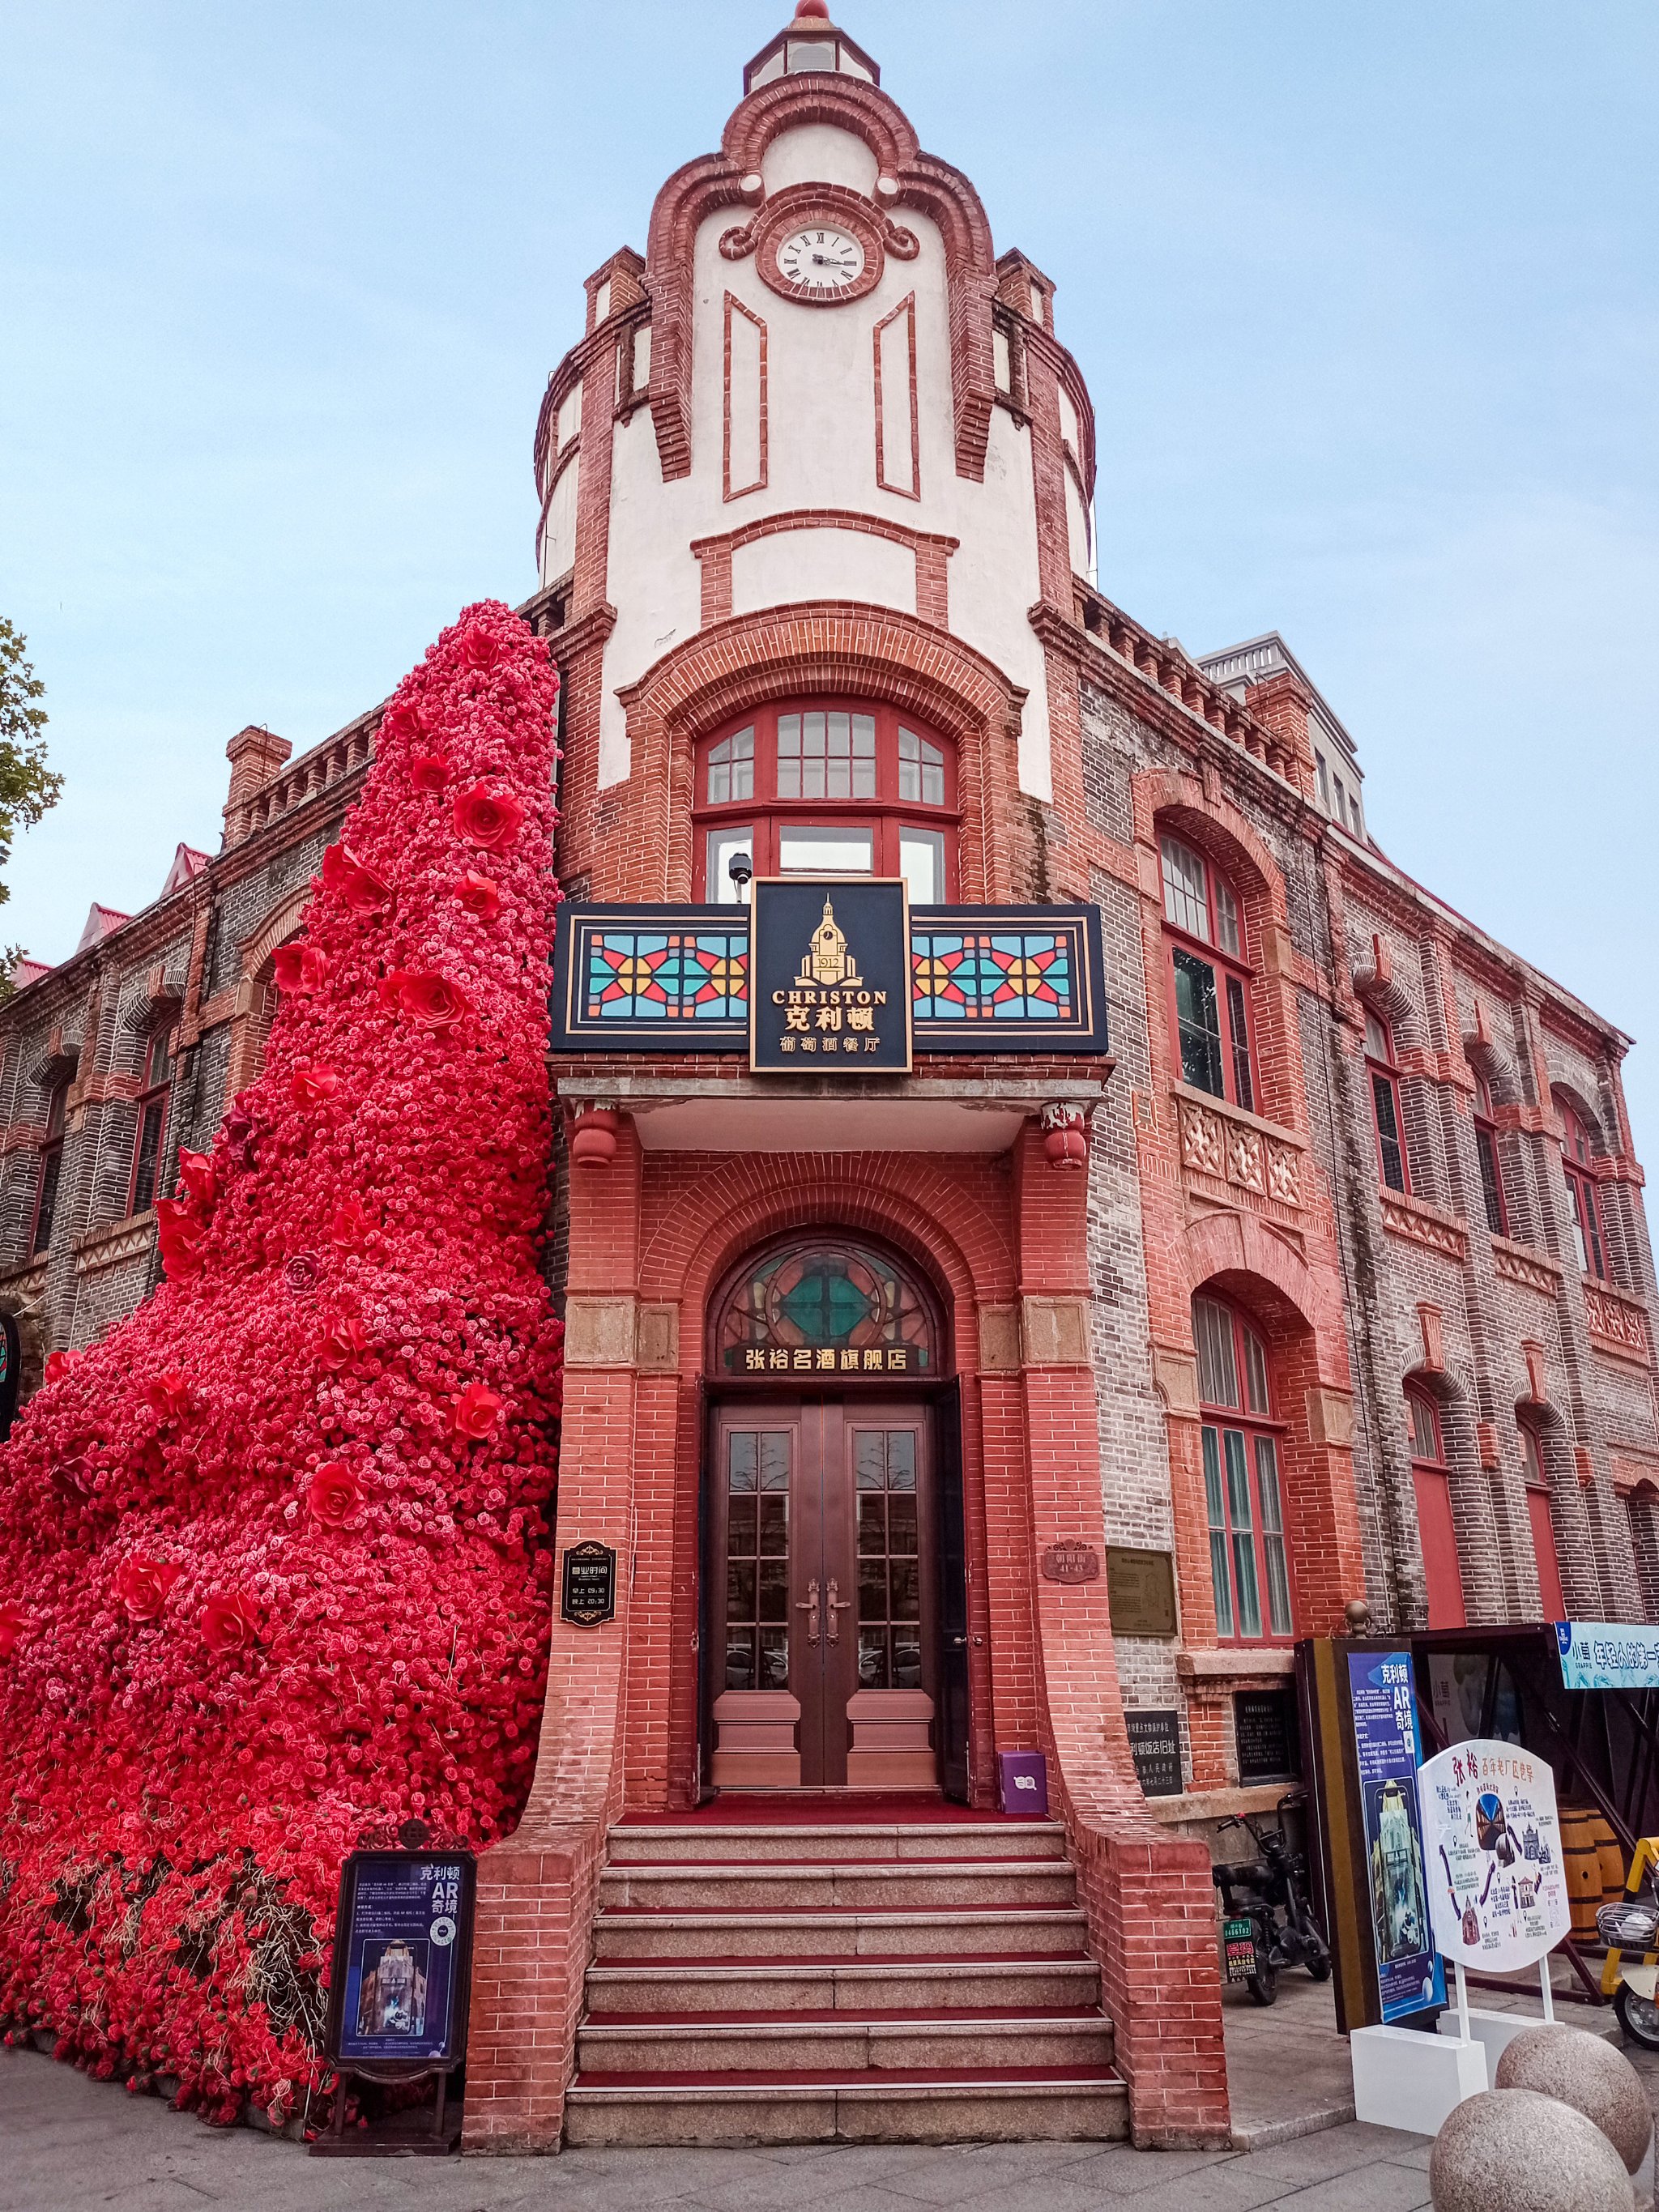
827, 1308
662, 976
1014, 975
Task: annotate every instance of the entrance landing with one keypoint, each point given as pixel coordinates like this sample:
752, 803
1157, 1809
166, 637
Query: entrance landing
781, 1808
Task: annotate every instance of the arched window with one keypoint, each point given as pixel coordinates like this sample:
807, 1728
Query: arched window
1486, 1146
825, 1305
151, 1129
818, 788
1641, 1509
52, 1168
1249, 1568
1387, 1119
1576, 1155
1543, 1525
1436, 1527
1209, 974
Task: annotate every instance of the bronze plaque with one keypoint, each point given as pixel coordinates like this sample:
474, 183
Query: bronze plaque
1140, 1589
1071, 1562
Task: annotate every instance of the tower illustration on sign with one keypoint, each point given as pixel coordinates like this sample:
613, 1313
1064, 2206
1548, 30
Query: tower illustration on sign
828, 960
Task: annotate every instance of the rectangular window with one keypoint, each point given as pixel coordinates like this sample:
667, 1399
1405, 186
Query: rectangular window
1198, 1022
1491, 1180
1220, 1576
724, 846
1239, 1036
921, 864
731, 769
1243, 1520
1226, 917
52, 1165
1324, 774
1273, 1537
922, 769
1391, 1153
1183, 890
826, 755
1218, 1370
146, 1154
805, 850
1425, 1434
757, 1560
1586, 1227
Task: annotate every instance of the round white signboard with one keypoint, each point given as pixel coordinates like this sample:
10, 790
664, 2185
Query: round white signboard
1491, 1855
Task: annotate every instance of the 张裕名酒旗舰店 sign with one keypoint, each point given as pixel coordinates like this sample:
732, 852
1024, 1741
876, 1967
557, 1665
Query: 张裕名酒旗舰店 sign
830, 987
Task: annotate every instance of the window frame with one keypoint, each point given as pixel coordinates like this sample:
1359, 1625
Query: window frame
765, 815
1233, 974
155, 1097
1588, 1225
51, 1163
1385, 1071
1489, 1160
1262, 1436
1535, 1480
1432, 1467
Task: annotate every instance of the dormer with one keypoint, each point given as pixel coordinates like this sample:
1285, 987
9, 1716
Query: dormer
811, 43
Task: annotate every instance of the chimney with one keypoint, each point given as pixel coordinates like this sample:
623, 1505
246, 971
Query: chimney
255, 756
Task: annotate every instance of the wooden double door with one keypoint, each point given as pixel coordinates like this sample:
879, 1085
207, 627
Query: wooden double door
832, 1557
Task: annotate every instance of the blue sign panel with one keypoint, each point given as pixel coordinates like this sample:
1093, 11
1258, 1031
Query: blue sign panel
402, 1939
1389, 1752
1608, 1655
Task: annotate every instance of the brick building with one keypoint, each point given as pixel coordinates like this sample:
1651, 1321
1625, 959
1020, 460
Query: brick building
1094, 1359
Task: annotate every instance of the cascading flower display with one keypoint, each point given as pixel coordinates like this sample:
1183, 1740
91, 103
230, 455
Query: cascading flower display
275, 1556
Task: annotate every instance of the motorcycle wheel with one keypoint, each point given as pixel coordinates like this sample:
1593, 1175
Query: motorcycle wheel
1638, 2016
1263, 1986
1320, 1967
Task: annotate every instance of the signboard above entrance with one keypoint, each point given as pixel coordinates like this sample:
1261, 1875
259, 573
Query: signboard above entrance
675, 979
830, 987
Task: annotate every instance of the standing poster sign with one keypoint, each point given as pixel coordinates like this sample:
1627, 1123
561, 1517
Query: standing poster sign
1497, 1889
1389, 1751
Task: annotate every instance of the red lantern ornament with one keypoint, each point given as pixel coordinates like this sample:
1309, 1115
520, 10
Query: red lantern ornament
1065, 1137
593, 1138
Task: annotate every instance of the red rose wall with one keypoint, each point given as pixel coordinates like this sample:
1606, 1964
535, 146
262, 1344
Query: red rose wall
274, 1555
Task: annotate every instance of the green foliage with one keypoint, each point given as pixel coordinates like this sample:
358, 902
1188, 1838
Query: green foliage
27, 786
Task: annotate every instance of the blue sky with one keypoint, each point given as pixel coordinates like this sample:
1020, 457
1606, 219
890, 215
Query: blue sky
1367, 299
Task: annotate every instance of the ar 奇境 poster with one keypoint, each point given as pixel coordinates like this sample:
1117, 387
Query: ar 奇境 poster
1389, 1752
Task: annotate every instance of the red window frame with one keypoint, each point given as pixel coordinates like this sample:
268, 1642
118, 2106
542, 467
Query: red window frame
885, 814
1589, 1232
1436, 1525
1242, 1446
1199, 912
48, 1182
152, 1103
1393, 1164
1489, 1158
1543, 1521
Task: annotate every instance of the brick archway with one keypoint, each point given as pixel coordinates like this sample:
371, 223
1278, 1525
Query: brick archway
830, 645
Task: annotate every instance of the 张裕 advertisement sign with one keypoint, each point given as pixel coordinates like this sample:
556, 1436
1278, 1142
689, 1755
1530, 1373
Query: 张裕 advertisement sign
1497, 1889
1387, 1752
1608, 1655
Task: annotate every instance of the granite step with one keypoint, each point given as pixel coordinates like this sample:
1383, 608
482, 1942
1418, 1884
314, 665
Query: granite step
797, 1885
864, 1986
792, 2044
620, 1934
643, 1845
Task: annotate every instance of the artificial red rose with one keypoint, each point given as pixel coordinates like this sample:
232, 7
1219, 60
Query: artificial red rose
361, 890
170, 1394
300, 967
311, 1086
13, 1621
301, 1272
403, 719
490, 816
198, 1176
480, 648
479, 896
181, 1255
429, 771
476, 1412
347, 1340
141, 1585
352, 1223
333, 1494
432, 1000
59, 1364
230, 1624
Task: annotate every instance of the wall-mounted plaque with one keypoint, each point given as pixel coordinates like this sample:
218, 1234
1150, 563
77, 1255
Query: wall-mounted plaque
1154, 1742
588, 1592
1268, 1737
1071, 1562
1140, 1589
831, 977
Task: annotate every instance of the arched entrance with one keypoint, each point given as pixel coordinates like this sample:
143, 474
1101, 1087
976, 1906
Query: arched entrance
834, 1598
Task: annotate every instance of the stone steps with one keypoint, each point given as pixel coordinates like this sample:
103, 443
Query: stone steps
824, 1982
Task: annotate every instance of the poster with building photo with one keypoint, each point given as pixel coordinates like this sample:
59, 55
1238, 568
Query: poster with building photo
1497, 1889
1387, 1752
403, 1939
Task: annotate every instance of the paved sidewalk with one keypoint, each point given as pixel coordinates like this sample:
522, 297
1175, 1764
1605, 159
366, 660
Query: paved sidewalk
71, 2145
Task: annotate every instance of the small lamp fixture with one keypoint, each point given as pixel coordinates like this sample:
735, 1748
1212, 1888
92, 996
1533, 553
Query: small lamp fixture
741, 870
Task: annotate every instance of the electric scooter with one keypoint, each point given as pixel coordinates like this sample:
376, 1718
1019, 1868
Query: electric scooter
1632, 1924
1268, 1922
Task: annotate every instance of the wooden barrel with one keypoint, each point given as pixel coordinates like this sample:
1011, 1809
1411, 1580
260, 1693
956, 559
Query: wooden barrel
1581, 1861
1612, 1858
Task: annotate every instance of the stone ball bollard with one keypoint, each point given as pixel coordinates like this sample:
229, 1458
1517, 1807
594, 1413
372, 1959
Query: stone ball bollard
1589, 2073
1516, 2150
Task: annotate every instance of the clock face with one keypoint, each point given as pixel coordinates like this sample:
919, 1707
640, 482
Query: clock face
826, 262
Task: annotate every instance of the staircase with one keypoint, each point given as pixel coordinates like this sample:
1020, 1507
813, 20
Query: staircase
857, 1982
